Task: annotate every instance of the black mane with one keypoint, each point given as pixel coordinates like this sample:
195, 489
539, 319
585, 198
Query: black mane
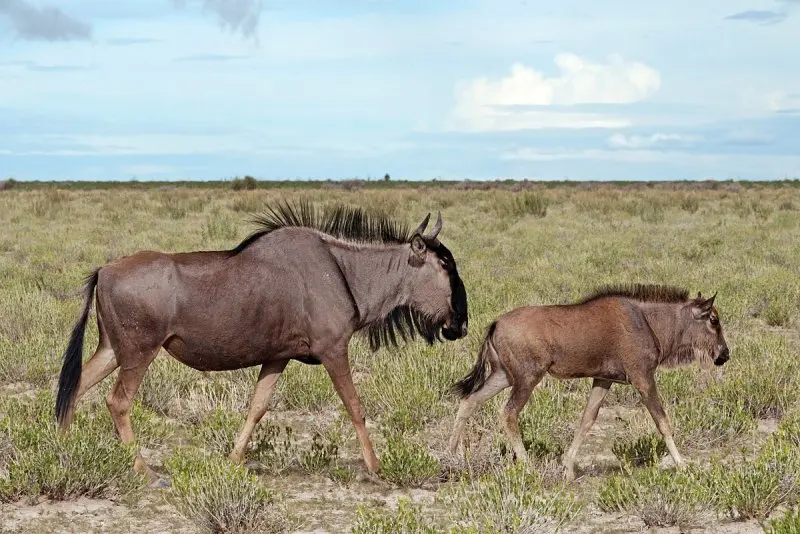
343, 222
640, 292
402, 322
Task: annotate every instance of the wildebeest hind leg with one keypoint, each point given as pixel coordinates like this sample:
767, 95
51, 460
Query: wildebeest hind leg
496, 383
339, 371
99, 366
267, 380
520, 393
647, 389
119, 403
599, 390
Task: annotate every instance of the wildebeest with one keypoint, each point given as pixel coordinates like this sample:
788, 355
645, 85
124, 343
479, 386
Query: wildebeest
296, 289
617, 334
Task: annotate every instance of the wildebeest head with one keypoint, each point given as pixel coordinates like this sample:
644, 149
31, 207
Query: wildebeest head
438, 292
703, 332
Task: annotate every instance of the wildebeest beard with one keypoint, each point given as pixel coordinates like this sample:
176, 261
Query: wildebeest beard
405, 323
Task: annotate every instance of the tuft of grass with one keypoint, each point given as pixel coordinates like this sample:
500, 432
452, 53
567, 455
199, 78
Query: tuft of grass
753, 489
408, 519
633, 451
219, 496
87, 461
511, 499
527, 203
407, 463
788, 523
690, 204
660, 498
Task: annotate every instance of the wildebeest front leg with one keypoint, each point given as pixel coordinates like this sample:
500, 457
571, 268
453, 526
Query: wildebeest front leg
600, 388
339, 371
267, 380
649, 393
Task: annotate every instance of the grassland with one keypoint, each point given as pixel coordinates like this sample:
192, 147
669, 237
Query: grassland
516, 244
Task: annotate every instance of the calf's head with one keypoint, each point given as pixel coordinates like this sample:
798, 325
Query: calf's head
703, 331
437, 291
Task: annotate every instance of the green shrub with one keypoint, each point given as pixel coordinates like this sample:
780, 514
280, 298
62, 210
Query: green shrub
407, 463
639, 451
408, 519
87, 461
219, 496
659, 497
755, 488
789, 523
509, 500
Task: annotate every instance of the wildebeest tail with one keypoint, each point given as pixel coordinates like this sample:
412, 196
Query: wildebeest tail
477, 376
70, 375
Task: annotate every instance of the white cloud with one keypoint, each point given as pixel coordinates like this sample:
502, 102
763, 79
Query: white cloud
483, 104
637, 142
535, 154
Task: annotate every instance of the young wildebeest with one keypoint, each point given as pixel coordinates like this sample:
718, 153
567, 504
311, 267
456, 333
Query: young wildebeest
296, 289
618, 334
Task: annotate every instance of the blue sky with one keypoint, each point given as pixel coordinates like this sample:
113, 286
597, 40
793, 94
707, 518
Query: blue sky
477, 89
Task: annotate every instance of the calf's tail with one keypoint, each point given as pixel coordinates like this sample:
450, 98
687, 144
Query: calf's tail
477, 376
70, 375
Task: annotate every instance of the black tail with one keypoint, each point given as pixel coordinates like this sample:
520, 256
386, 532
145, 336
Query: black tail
70, 375
477, 376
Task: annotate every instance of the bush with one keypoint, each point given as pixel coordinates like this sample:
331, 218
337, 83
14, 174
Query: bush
755, 488
690, 204
407, 463
5, 185
88, 461
247, 183
509, 500
407, 519
219, 496
528, 203
659, 497
639, 451
787, 524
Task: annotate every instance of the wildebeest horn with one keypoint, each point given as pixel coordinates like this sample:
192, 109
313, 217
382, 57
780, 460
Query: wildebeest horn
421, 227
437, 227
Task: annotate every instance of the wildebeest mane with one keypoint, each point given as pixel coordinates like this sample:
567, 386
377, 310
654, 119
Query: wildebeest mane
402, 322
640, 292
343, 222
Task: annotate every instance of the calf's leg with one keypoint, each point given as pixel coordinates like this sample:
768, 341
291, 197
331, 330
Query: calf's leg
495, 383
647, 389
520, 393
599, 390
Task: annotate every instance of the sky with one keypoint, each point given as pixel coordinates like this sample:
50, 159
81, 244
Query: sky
419, 89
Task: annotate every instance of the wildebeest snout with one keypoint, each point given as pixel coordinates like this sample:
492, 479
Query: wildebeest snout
724, 356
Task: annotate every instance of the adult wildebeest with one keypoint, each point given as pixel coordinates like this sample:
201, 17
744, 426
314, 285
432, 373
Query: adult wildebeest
296, 289
618, 334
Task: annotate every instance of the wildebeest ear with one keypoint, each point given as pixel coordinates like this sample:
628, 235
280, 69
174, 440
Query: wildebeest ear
702, 309
437, 227
418, 245
421, 228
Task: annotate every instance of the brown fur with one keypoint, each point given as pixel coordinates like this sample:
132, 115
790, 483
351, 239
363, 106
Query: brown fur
297, 289
616, 334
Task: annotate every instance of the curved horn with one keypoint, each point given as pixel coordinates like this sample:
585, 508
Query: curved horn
421, 227
437, 227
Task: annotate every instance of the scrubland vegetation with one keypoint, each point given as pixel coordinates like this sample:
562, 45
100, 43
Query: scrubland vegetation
738, 426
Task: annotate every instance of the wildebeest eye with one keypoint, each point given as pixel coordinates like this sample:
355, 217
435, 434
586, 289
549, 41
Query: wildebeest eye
443, 263
714, 321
